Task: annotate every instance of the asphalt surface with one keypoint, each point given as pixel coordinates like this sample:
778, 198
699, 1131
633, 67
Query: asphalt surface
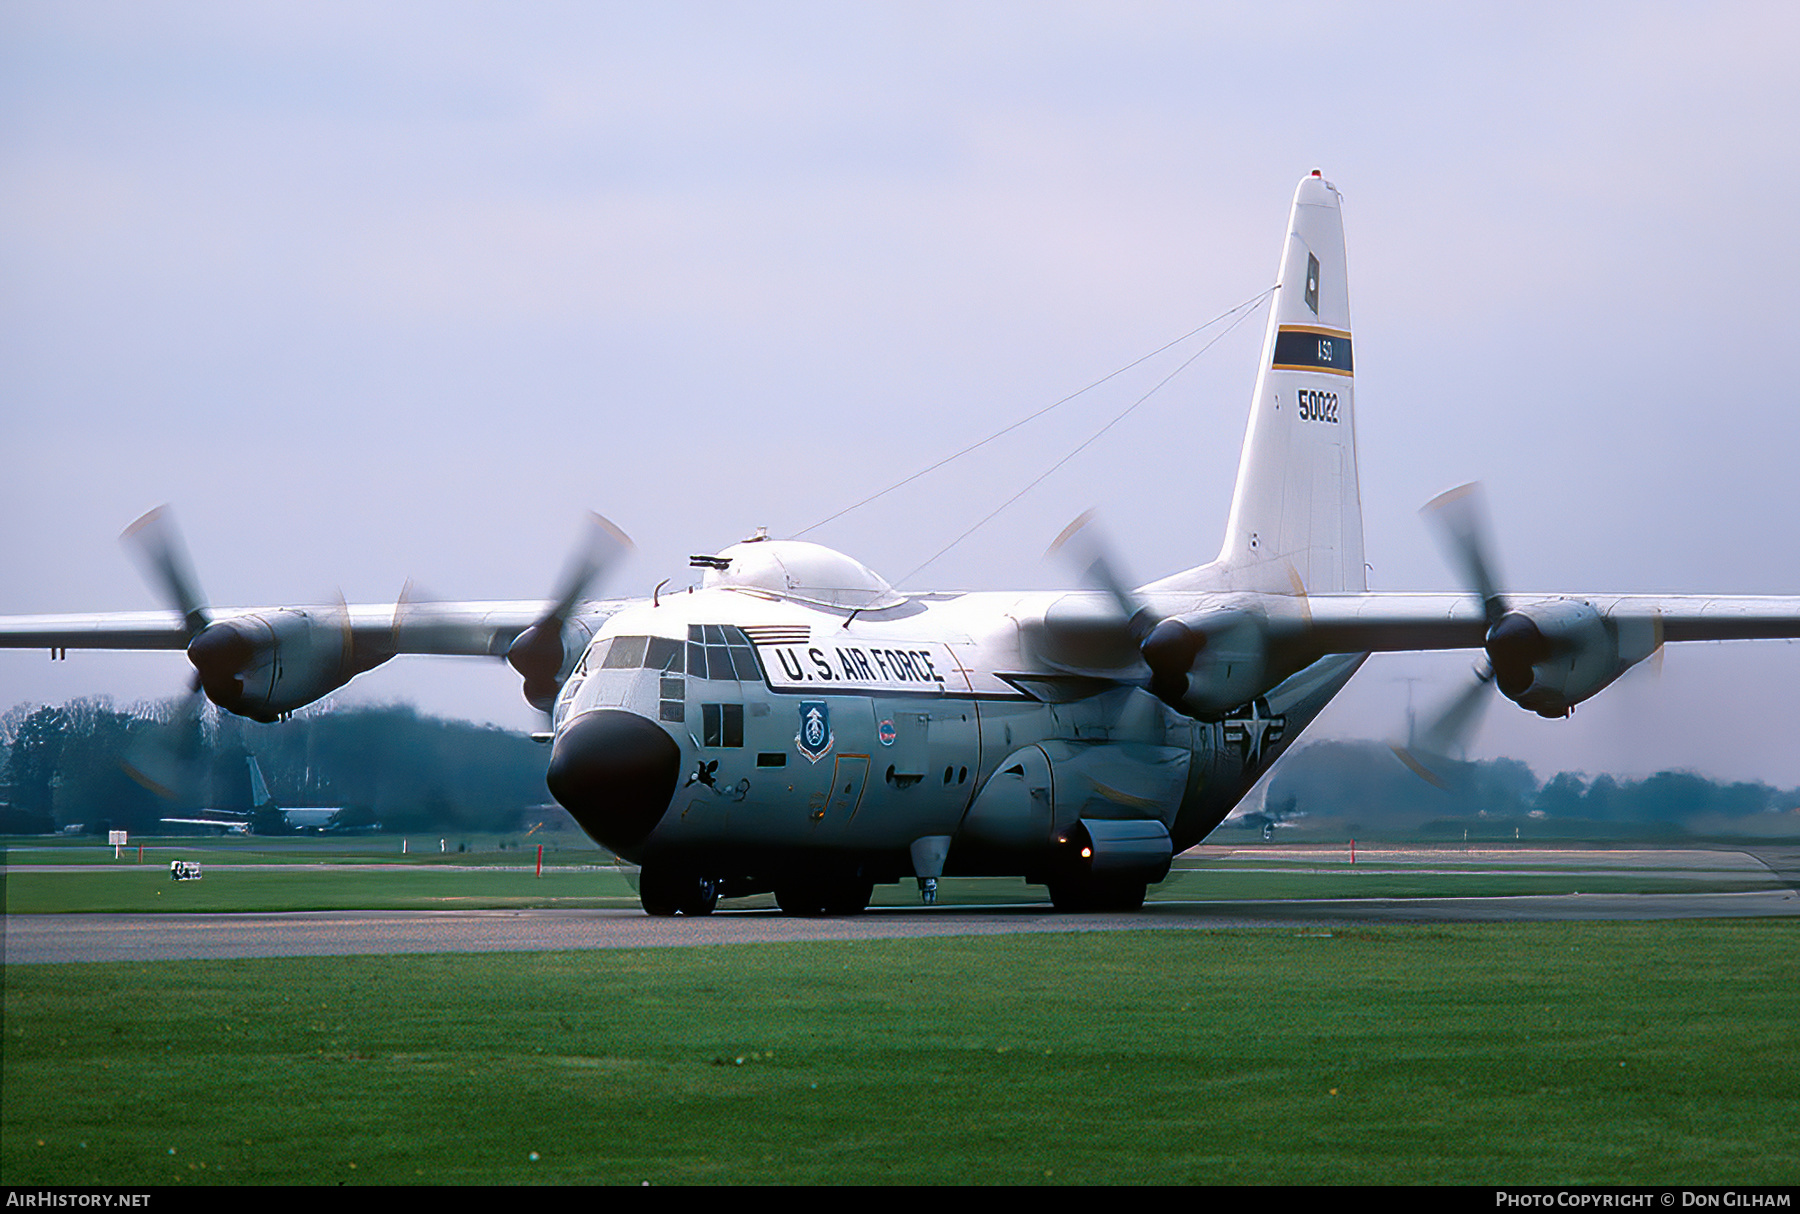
113, 937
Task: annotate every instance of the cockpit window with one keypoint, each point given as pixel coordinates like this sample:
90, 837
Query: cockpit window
744, 658
626, 653
664, 654
721, 651
728, 658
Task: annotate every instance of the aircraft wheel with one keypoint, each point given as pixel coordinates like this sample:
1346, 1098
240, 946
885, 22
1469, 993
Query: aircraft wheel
800, 899
664, 893
1077, 895
1127, 895
848, 897
702, 896
811, 899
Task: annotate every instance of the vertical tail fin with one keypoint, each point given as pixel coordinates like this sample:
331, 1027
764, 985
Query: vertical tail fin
1296, 515
259, 791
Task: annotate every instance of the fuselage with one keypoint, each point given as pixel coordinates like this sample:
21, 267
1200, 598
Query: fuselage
804, 734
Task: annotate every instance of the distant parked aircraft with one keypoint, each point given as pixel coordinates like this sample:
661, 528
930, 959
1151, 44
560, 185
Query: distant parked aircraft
314, 819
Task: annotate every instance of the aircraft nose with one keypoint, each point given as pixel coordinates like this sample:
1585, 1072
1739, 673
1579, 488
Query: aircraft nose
615, 773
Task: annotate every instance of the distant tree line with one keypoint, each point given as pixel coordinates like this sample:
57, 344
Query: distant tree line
86, 763
1342, 788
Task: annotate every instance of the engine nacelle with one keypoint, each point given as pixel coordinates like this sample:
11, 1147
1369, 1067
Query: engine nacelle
1210, 662
545, 655
1551, 656
264, 666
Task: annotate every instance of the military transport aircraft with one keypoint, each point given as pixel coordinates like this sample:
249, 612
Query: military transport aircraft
796, 724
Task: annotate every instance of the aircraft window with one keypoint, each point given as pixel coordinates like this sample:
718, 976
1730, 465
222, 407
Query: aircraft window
672, 710
745, 661
722, 725
771, 758
626, 653
719, 663
672, 689
719, 658
664, 654
594, 658
725, 654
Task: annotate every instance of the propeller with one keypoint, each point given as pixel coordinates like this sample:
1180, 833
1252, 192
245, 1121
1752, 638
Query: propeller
1448, 729
538, 652
156, 543
167, 758
1125, 637
1460, 521
1094, 638
1082, 544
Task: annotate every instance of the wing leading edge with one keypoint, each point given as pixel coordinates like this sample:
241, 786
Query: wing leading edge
473, 629
1375, 623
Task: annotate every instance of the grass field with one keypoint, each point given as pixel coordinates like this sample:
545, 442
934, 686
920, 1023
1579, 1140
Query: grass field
1537, 1053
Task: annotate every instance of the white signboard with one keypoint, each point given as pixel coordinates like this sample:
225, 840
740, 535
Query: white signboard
900, 666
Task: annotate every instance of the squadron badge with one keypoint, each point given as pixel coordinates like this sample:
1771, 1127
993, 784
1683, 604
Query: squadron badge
814, 739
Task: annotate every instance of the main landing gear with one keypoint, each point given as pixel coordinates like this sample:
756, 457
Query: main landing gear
813, 898
1086, 892
666, 893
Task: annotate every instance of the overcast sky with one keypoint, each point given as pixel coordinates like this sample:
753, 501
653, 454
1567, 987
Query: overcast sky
371, 292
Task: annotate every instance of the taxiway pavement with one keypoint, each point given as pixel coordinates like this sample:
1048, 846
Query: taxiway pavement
33, 939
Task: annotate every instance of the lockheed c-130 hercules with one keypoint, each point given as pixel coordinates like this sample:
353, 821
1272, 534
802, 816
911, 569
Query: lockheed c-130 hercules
796, 724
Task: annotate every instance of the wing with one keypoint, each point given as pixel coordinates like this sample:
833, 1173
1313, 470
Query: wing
1207, 654
1369, 623
1358, 624
1547, 653
104, 630
262, 662
470, 628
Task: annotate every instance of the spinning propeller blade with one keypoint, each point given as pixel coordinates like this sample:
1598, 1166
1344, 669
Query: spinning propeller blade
1083, 546
1459, 518
156, 543
538, 653
167, 758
